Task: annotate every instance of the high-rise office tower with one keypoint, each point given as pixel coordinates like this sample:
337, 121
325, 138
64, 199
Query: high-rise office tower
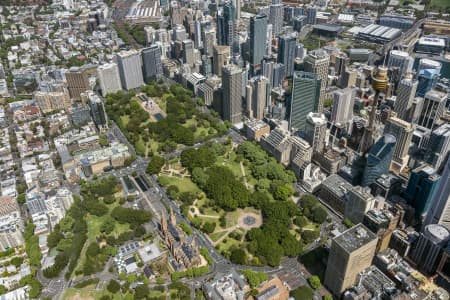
317, 62
221, 57
130, 70
226, 25
426, 64
316, 131
348, 78
311, 14
109, 78
286, 52
422, 183
427, 80
438, 146
257, 100
406, 92
341, 63
428, 250
439, 212
305, 94
151, 63
276, 18
343, 100
403, 132
232, 93
269, 39
433, 108
300, 51
209, 40
278, 74
98, 111
267, 70
237, 5
77, 82
198, 43
428, 73
359, 202
179, 33
401, 60
350, 253
258, 34
188, 52
379, 159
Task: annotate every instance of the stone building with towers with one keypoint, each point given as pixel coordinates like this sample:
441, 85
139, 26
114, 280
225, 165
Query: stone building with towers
183, 248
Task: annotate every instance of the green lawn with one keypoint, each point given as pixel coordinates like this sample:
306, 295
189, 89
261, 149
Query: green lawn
140, 147
227, 243
124, 120
184, 184
311, 226
90, 293
217, 235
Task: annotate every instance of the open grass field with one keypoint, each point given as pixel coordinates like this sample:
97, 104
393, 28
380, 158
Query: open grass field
89, 293
184, 184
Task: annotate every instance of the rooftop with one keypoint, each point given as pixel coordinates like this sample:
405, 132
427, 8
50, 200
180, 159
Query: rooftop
338, 185
355, 237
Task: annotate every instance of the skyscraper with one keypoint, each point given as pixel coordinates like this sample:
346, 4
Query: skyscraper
316, 131
422, 183
258, 34
438, 147
286, 52
276, 17
427, 81
278, 74
151, 63
318, 61
77, 82
406, 92
209, 40
439, 212
343, 101
311, 14
258, 98
340, 64
379, 159
188, 52
428, 73
305, 93
130, 69
98, 111
401, 60
350, 253
109, 78
232, 93
403, 132
226, 25
428, 250
221, 58
433, 108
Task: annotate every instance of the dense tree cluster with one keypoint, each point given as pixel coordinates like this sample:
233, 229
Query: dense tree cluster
155, 164
32, 245
171, 130
70, 235
254, 278
130, 216
272, 195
